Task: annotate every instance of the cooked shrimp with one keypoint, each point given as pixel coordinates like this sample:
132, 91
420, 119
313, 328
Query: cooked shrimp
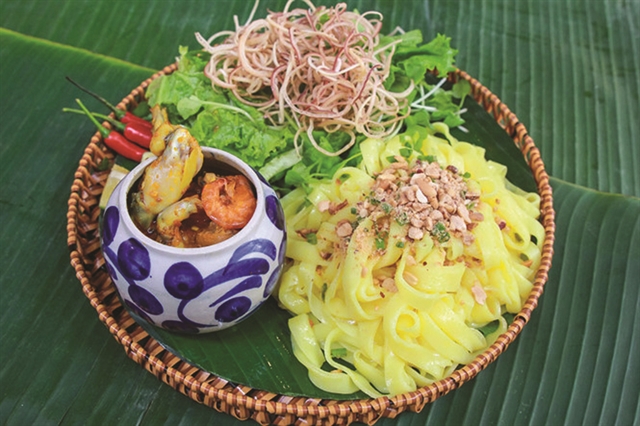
229, 201
170, 219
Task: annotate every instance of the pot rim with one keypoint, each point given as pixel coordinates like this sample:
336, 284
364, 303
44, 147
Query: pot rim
219, 155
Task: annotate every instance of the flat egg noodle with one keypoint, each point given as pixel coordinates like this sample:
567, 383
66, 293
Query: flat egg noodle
352, 329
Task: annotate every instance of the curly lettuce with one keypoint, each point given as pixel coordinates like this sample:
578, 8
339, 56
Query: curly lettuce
217, 119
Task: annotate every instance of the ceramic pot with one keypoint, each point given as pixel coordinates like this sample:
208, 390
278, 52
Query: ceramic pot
195, 290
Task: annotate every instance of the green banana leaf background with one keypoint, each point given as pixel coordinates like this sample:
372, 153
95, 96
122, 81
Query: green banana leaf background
570, 71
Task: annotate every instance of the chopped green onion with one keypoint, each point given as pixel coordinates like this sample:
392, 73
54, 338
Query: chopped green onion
312, 238
402, 219
406, 152
374, 201
440, 232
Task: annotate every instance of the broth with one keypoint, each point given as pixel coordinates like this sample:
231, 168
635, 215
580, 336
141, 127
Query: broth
197, 230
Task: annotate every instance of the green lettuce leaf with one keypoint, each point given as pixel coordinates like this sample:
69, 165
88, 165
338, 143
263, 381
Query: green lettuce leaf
231, 131
217, 119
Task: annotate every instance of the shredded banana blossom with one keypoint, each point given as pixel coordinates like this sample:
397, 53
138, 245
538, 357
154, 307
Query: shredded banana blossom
322, 67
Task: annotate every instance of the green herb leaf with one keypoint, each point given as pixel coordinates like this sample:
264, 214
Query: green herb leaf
461, 89
416, 59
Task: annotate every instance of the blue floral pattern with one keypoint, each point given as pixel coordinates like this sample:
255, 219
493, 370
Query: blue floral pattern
224, 295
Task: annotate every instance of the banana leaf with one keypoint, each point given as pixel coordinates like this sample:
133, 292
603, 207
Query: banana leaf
569, 69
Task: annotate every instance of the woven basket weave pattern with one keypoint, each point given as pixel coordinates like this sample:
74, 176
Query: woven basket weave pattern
244, 402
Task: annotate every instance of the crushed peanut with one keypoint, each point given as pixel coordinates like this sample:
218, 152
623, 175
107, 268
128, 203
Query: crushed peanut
389, 284
344, 228
410, 278
323, 205
304, 232
479, 294
426, 198
335, 208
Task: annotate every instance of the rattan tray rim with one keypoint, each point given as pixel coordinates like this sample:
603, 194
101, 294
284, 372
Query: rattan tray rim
244, 402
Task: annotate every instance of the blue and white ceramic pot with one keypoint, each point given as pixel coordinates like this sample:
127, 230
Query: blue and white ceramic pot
196, 290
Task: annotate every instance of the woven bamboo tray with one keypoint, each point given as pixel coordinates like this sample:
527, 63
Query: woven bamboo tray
244, 402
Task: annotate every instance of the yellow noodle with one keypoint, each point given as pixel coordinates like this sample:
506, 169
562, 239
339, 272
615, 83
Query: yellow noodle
388, 320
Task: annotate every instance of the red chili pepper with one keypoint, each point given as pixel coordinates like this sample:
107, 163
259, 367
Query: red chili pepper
140, 135
129, 118
115, 140
124, 116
